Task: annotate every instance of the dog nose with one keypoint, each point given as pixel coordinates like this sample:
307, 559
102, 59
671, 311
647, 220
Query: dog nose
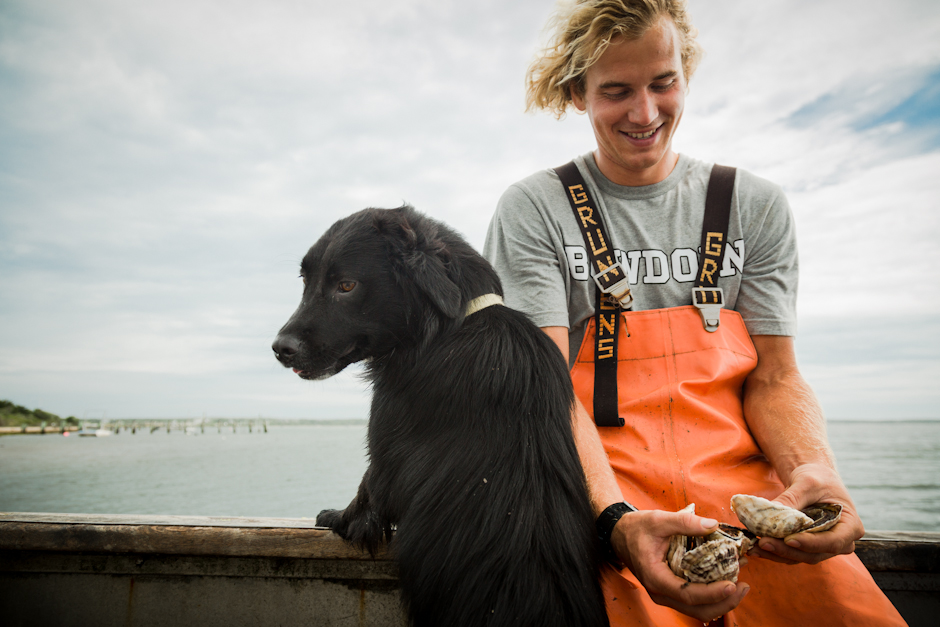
285, 346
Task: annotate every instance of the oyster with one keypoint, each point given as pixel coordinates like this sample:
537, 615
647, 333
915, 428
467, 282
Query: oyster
824, 515
704, 559
713, 560
774, 520
742, 538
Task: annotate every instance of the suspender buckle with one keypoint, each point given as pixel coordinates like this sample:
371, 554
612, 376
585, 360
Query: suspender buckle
709, 301
617, 291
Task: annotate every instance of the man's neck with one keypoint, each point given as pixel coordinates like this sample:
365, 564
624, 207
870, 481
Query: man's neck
621, 175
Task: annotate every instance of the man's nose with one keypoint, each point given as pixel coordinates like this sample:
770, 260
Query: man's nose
643, 109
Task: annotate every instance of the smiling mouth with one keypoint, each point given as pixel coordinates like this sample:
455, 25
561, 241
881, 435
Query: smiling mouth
643, 135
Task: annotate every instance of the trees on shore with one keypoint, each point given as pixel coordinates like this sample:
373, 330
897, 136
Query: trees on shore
12, 415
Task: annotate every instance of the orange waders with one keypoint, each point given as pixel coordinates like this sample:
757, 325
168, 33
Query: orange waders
685, 441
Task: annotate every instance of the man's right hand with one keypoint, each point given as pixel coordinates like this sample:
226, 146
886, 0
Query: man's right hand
641, 540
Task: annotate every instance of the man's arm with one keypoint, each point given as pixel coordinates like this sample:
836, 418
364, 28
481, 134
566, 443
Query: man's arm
641, 538
788, 424
602, 485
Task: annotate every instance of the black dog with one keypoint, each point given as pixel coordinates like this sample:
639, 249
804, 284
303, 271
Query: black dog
472, 459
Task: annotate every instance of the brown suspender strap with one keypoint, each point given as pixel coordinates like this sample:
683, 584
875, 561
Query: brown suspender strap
706, 295
613, 293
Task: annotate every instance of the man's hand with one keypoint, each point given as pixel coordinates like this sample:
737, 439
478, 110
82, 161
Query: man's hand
809, 484
788, 424
641, 540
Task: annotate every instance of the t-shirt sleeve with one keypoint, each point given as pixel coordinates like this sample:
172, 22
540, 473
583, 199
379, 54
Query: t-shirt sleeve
767, 297
523, 250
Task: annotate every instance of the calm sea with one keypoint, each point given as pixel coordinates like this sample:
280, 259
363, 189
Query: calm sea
892, 470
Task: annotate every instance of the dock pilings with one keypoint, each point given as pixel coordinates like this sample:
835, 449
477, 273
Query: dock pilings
131, 426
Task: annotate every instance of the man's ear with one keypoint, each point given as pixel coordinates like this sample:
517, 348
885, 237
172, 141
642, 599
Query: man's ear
423, 258
576, 92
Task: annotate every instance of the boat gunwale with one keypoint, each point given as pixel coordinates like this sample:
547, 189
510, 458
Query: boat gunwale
880, 551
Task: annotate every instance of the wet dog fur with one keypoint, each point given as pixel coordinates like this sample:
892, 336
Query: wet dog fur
472, 462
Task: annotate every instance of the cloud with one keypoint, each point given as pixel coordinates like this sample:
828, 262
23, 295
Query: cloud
907, 107
920, 109
882, 366
261, 391
869, 240
164, 167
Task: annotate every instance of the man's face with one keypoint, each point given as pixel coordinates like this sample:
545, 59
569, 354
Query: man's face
634, 96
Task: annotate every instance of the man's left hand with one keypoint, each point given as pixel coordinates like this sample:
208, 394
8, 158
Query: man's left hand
809, 484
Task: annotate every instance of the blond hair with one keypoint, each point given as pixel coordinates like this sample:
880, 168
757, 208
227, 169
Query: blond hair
583, 29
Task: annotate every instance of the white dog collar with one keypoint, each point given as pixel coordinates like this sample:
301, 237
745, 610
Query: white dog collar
482, 302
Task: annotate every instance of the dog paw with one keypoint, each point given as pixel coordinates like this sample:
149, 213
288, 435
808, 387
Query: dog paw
364, 530
332, 518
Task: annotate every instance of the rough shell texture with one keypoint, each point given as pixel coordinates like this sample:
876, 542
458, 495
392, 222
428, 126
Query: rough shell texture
677, 549
743, 538
714, 560
710, 558
766, 518
678, 546
824, 515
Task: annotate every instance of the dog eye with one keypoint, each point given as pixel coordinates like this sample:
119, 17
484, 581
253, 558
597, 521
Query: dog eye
346, 286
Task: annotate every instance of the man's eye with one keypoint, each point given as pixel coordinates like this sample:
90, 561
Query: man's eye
346, 286
304, 280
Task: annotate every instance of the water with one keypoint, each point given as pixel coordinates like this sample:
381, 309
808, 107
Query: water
289, 472
892, 470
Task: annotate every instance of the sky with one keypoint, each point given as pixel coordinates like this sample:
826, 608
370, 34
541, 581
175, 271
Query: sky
165, 166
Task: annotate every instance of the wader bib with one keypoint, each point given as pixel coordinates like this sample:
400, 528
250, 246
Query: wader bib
684, 439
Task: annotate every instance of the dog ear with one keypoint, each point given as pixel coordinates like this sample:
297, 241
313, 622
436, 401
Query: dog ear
430, 275
424, 256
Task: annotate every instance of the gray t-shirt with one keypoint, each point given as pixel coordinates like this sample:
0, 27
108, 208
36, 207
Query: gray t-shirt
536, 247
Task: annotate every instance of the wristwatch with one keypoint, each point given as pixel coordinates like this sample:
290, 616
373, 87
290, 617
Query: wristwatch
605, 527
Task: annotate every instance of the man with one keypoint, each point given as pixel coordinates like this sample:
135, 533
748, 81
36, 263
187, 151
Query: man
712, 404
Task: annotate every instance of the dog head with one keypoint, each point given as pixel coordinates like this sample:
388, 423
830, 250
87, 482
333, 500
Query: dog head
377, 281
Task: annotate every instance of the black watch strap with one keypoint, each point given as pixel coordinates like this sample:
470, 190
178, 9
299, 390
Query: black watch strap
605, 527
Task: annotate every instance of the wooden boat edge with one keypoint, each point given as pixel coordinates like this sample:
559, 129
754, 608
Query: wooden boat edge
273, 560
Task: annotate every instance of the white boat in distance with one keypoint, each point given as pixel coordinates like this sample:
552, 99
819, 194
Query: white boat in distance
95, 433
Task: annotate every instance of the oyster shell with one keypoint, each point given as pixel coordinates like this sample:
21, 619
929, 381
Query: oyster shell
678, 546
824, 515
715, 557
742, 538
713, 560
774, 520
